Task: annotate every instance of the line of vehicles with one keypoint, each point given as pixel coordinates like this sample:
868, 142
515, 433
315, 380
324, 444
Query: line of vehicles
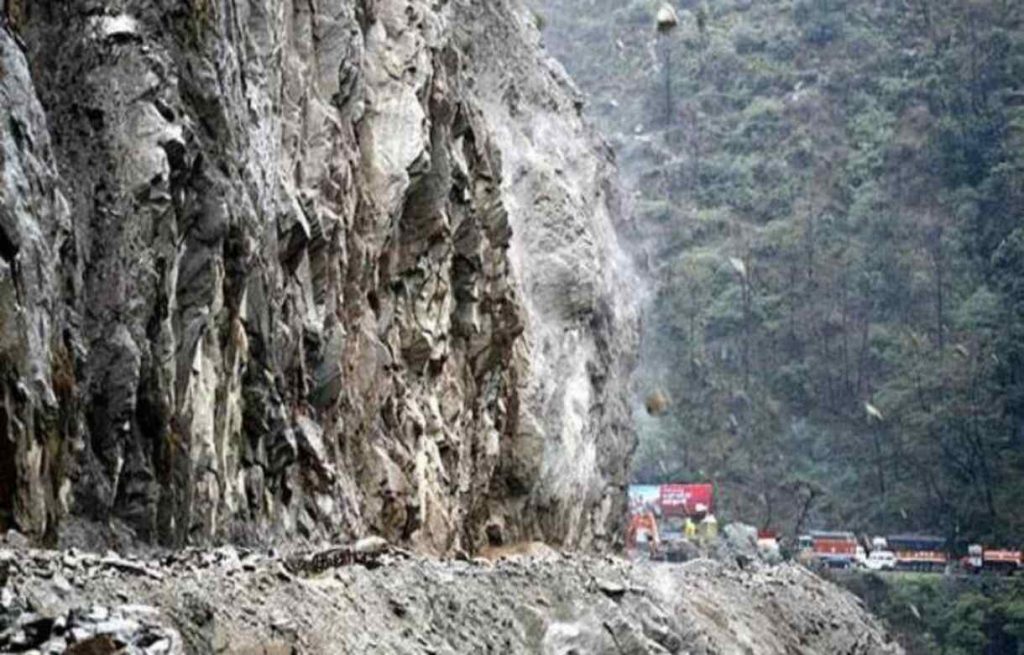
665, 520
903, 552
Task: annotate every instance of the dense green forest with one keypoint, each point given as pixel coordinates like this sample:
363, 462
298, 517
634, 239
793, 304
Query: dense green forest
939, 615
829, 203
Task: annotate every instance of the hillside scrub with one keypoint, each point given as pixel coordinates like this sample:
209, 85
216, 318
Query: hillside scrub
833, 219
940, 615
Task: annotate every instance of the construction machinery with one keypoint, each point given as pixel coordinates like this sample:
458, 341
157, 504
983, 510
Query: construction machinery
642, 533
670, 520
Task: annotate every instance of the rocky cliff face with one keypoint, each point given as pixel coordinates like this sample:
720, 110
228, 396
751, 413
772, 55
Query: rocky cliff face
312, 268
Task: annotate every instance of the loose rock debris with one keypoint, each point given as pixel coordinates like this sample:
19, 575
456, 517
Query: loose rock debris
371, 552
370, 597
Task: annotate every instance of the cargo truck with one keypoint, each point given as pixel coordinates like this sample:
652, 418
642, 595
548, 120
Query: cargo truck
836, 550
918, 552
985, 560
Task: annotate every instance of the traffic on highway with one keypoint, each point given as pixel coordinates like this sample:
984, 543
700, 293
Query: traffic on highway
676, 522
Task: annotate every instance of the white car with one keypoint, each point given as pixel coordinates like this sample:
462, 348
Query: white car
881, 560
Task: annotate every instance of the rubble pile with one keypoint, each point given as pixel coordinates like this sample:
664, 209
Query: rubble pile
239, 601
50, 616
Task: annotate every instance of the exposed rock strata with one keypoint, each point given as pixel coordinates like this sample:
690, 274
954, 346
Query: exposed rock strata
310, 268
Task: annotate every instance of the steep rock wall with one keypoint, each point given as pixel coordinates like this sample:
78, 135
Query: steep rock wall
305, 269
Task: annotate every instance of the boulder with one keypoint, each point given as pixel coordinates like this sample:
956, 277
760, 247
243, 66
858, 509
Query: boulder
666, 18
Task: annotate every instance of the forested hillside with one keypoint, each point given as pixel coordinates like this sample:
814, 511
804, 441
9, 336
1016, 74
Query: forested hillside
829, 201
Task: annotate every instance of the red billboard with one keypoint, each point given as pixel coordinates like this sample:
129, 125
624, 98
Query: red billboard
682, 499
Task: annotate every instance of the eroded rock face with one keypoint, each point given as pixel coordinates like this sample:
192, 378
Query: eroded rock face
275, 268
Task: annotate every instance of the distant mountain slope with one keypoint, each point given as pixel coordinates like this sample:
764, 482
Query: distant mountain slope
829, 198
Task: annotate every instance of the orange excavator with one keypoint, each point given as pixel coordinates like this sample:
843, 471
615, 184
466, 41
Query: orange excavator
643, 528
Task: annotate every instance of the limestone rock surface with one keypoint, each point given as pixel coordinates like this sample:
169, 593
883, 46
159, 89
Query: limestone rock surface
299, 269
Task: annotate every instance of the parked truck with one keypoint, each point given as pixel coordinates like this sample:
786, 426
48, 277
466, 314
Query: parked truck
985, 560
832, 549
918, 552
